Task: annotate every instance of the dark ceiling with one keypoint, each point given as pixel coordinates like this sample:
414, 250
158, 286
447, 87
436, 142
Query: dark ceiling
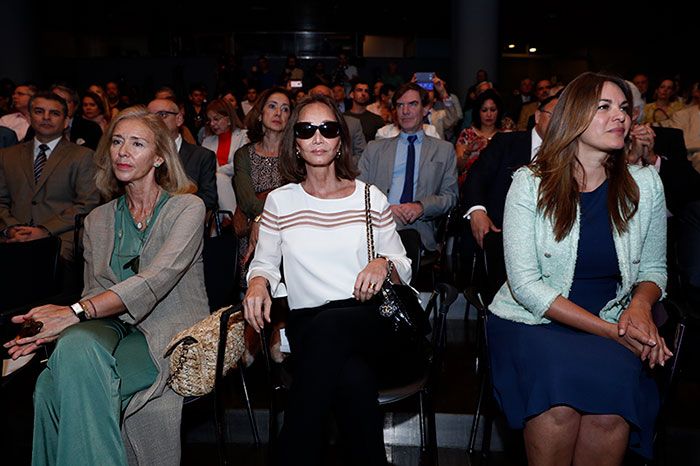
560, 29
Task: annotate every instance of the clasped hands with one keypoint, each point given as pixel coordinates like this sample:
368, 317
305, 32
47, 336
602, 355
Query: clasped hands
642, 147
21, 233
637, 332
407, 212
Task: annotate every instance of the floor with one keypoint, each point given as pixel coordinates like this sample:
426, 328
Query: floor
455, 402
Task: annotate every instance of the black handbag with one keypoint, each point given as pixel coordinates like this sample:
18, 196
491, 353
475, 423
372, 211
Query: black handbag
399, 303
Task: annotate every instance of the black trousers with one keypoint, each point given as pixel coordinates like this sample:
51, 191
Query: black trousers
338, 352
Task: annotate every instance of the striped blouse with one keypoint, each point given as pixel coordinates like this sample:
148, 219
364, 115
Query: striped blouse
323, 243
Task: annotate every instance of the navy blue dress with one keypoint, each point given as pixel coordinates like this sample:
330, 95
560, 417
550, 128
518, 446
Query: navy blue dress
536, 367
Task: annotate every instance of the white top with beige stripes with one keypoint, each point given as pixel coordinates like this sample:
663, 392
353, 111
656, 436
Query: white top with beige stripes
323, 243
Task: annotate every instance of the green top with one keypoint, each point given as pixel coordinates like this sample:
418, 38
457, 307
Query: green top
128, 239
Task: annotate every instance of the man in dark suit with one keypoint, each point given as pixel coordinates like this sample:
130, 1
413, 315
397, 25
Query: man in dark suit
46, 182
487, 185
429, 164
79, 130
199, 163
681, 182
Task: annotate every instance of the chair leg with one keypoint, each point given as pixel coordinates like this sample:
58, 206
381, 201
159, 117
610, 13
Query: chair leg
428, 420
219, 423
477, 415
249, 407
421, 424
486, 440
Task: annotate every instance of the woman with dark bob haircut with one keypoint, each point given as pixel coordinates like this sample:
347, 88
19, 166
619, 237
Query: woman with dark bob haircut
315, 227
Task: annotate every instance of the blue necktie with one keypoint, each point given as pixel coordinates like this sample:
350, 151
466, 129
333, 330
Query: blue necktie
407, 193
40, 161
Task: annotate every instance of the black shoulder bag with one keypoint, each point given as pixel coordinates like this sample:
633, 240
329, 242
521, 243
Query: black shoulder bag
399, 303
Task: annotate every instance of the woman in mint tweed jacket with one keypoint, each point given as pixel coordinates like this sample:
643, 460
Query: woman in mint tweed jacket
584, 244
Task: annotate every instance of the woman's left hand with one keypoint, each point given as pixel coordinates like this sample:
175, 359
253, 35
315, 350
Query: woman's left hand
54, 320
370, 279
637, 320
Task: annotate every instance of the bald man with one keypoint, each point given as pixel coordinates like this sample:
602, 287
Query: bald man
199, 163
357, 138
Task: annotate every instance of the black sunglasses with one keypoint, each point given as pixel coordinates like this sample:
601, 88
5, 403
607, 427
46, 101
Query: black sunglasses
329, 130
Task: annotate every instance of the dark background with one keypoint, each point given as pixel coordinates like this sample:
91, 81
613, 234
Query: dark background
178, 42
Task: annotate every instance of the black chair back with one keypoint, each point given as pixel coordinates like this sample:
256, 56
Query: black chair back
29, 272
220, 256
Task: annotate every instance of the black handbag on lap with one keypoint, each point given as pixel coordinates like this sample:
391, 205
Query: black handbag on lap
399, 303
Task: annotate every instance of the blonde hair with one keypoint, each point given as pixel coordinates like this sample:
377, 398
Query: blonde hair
170, 175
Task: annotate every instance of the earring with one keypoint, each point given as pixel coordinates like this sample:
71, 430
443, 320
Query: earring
338, 154
297, 153
157, 164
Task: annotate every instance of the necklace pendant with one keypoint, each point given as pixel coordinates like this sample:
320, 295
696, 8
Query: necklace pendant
139, 225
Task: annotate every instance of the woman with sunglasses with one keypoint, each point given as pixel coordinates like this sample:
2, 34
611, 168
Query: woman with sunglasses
315, 226
256, 164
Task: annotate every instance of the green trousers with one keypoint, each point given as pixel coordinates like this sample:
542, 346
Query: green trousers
94, 371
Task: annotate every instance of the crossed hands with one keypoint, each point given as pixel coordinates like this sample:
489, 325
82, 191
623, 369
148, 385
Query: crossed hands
642, 148
408, 212
637, 332
19, 234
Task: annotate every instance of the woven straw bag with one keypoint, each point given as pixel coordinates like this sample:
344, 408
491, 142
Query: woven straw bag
193, 353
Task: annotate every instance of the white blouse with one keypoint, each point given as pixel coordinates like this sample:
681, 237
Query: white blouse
323, 243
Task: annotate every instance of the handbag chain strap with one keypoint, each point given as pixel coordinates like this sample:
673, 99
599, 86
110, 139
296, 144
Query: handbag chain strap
368, 220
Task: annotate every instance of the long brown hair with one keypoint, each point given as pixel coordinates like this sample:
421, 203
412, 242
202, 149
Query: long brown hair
557, 163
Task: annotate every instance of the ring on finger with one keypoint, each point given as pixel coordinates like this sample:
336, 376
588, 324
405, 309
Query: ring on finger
372, 285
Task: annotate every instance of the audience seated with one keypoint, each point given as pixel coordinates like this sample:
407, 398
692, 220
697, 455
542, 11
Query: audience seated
46, 182
256, 164
357, 138
103, 398
340, 347
572, 329
416, 172
79, 130
360, 99
19, 120
226, 136
199, 162
488, 181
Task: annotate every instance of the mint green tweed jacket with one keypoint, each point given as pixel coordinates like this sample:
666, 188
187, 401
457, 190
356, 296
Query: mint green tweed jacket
539, 268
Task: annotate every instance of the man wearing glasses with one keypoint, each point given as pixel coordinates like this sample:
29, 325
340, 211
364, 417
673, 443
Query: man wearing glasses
199, 163
19, 120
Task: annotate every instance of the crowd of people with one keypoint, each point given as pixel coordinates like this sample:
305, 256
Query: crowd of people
571, 187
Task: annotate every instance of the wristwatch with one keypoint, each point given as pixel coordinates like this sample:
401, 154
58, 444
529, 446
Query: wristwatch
79, 311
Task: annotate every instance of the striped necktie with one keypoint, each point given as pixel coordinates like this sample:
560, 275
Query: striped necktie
40, 161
